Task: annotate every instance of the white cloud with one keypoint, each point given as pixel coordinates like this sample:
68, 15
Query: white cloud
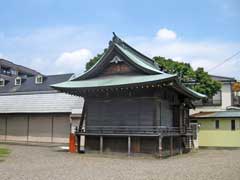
40, 48
166, 34
67, 49
204, 54
74, 61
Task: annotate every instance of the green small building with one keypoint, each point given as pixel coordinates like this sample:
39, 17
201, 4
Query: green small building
218, 129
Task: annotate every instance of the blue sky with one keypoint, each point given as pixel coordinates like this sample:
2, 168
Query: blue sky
56, 36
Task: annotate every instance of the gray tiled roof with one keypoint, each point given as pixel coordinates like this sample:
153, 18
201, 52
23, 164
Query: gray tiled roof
37, 98
40, 103
28, 84
223, 78
17, 67
217, 114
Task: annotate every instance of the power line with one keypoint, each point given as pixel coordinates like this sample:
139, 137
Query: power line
224, 61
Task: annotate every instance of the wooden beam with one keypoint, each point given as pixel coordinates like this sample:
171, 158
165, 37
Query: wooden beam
192, 141
101, 144
171, 146
160, 146
180, 145
129, 145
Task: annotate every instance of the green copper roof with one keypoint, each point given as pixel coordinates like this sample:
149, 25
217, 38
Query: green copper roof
134, 57
190, 91
146, 68
138, 60
217, 114
122, 80
115, 80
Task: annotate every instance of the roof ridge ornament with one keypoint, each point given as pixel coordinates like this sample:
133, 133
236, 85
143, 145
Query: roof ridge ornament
116, 39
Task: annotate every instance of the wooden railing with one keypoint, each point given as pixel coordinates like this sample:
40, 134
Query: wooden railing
144, 130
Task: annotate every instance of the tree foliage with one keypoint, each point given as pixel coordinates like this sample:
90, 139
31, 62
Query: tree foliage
198, 79
236, 87
94, 60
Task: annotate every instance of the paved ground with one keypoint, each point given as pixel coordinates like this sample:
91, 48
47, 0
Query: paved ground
46, 163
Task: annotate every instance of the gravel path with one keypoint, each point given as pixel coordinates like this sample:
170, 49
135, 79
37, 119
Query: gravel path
46, 163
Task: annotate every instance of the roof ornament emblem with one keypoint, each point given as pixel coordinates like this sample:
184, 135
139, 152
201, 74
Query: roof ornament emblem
116, 60
116, 40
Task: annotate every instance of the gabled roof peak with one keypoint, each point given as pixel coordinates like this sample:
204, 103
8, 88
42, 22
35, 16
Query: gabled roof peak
145, 64
116, 40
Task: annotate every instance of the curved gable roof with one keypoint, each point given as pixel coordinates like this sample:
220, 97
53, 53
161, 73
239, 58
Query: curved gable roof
150, 73
132, 56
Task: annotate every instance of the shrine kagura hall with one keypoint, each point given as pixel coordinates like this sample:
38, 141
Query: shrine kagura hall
131, 105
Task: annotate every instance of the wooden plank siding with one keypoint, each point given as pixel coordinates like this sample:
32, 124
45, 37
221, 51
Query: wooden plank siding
129, 112
124, 112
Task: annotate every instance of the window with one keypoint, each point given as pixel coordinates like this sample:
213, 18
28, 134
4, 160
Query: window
18, 81
2, 82
13, 72
38, 79
233, 125
217, 124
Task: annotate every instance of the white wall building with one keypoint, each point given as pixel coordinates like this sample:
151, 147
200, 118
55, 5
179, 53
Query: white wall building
220, 101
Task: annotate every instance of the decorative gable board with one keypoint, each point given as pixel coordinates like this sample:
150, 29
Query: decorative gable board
115, 63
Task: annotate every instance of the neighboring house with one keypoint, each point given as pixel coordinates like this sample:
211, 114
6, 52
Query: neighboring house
218, 129
214, 119
130, 105
30, 110
220, 101
10, 69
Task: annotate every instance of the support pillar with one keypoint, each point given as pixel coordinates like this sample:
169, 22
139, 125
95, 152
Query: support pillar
171, 146
180, 145
192, 141
160, 146
101, 144
129, 145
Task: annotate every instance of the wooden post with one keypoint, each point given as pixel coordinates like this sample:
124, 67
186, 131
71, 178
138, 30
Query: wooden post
160, 146
180, 145
78, 143
129, 145
192, 141
101, 144
171, 146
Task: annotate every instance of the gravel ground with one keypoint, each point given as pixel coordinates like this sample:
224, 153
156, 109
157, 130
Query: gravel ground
47, 163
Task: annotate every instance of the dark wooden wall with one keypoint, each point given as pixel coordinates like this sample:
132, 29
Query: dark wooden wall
120, 112
129, 112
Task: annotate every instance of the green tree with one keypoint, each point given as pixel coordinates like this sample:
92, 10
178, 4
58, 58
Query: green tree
198, 79
205, 84
94, 60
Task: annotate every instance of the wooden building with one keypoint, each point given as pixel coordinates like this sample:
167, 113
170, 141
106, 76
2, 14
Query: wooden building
131, 105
